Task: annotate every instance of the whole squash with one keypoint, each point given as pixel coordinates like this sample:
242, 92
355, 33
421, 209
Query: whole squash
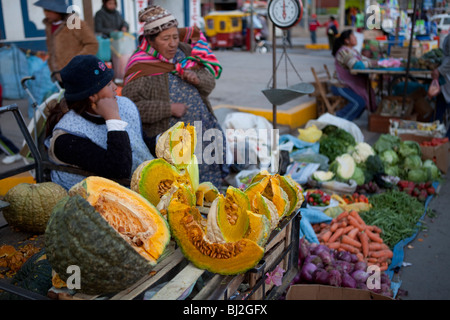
113, 234
30, 205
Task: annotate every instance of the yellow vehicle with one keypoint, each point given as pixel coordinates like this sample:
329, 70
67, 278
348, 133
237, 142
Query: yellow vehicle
224, 29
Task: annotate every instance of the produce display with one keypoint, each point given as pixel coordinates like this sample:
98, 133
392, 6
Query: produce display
320, 264
373, 196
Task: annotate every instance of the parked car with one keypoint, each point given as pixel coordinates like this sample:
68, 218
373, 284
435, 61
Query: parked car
442, 21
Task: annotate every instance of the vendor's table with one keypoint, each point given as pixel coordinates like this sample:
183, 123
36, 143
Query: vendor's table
396, 73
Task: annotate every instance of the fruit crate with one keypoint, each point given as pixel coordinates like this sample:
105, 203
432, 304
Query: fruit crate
174, 277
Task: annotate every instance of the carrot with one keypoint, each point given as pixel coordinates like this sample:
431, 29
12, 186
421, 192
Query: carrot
333, 245
352, 233
360, 256
358, 218
346, 239
377, 229
349, 248
342, 215
336, 235
347, 229
355, 223
334, 226
382, 254
375, 246
323, 225
364, 239
372, 260
374, 236
326, 236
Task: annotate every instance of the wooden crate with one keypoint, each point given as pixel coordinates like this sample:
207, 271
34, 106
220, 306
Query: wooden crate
177, 276
380, 122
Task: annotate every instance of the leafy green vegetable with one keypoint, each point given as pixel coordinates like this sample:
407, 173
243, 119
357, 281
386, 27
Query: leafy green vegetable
418, 175
335, 142
396, 213
385, 142
412, 162
392, 170
358, 176
343, 166
433, 171
389, 157
409, 148
372, 166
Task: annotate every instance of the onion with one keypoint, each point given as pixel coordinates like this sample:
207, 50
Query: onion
326, 257
320, 276
319, 249
303, 249
344, 266
334, 278
344, 256
360, 276
307, 271
313, 259
360, 265
348, 281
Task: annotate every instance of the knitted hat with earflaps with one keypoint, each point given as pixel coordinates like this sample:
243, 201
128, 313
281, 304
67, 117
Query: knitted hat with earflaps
156, 19
84, 76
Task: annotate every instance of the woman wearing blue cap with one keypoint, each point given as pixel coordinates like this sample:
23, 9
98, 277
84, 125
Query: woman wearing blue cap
92, 128
66, 34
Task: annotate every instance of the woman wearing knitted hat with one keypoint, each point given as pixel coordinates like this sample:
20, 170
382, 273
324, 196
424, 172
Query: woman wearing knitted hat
66, 34
92, 128
169, 78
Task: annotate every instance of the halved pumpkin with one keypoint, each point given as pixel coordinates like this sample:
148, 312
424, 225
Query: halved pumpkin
153, 178
177, 145
259, 229
227, 218
114, 235
264, 206
226, 258
206, 193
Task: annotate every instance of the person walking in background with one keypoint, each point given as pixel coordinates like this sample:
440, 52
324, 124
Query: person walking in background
352, 87
108, 19
170, 77
332, 30
313, 25
64, 40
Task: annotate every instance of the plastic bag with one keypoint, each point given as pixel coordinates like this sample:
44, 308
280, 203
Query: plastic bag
309, 217
328, 118
13, 67
434, 88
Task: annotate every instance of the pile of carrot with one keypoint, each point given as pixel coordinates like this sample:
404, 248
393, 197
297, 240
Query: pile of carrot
349, 232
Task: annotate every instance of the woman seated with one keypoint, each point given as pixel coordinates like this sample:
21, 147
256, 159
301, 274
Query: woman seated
352, 87
92, 128
169, 78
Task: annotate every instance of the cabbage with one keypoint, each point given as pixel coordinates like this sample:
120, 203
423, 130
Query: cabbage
322, 176
417, 175
432, 169
389, 157
358, 176
343, 166
412, 162
386, 142
392, 171
409, 148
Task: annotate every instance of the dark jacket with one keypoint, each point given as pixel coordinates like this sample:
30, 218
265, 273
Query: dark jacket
107, 21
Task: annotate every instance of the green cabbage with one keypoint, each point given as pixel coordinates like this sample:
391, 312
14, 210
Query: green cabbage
392, 171
343, 166
417, 175
386, 142
409, 148
389, 157
412, 162
432, 169
358, 176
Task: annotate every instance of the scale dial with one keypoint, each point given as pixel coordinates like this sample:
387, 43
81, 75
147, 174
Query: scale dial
285, 13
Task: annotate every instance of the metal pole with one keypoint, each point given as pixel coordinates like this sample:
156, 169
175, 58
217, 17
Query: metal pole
408, 62
274, 71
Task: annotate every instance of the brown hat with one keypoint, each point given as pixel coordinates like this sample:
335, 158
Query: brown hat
156, 19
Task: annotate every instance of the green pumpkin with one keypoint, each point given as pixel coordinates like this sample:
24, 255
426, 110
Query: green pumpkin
30, 205
78, 235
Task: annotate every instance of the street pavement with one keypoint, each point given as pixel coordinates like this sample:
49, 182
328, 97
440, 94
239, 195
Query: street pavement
425, 275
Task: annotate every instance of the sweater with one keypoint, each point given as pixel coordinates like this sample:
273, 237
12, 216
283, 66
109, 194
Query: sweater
107, 21
151, 96
64, 43
84, 141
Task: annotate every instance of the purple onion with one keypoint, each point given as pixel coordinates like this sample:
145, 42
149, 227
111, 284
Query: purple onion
344, 256
306, 274
320, 276
348, 281
360, 276
334, 278
360, 265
